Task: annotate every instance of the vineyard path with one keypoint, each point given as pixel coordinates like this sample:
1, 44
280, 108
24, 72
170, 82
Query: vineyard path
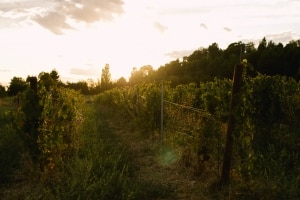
160, 165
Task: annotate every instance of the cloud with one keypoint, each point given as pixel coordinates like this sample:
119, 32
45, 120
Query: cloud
180, 54
8, 5
5, 22
203, 25
227, 29
5, 70
87, 11
161, 28
92, 10
283, 37
55, 22
56, 15
12, 13
84, 72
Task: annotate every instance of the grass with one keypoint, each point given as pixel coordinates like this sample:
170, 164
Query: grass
102, 168
115, 162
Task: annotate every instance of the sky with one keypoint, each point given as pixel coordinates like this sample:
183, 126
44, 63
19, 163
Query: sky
78, 38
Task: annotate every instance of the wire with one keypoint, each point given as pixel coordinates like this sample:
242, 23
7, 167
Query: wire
183, 106
188, 107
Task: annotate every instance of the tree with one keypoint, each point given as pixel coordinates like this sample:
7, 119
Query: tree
17, 84
106, 82
121, 82
262, 45
135, 77
2, 91
49, 79
214, 51
81, 86
141, 75
54, 75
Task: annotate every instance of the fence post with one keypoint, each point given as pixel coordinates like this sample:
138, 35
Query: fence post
162, 115
237, 82
33, 83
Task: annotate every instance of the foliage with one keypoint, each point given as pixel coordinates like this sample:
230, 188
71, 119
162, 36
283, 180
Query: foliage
2, 91
204, 64
268, 132
121, 82
28, 115
59, 125
141, 103
17, 84
49, 80
266, 137
141, 75
100, 168
10, 142
49, 120
106, 82
82, 164
54, 75
80, 86
10, 152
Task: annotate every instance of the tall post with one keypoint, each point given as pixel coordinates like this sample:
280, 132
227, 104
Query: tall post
236, 87
33, 83
162, 114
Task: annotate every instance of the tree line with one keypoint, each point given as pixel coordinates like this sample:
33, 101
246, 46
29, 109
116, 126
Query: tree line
204, 64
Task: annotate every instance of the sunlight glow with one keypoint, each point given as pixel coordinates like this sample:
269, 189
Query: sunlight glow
168, 156
127, 34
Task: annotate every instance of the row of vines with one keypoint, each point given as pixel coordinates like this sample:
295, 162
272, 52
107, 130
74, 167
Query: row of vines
266, 138
49, 120
63, 148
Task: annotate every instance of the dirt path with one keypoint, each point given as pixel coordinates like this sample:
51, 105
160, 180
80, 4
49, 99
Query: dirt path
161, 165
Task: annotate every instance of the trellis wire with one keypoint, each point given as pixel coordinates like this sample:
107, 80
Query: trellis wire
188, 107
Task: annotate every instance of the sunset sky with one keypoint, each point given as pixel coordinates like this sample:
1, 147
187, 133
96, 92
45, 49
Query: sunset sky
78, 37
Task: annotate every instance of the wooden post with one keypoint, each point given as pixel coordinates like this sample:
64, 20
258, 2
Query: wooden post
33, 83
236, 87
